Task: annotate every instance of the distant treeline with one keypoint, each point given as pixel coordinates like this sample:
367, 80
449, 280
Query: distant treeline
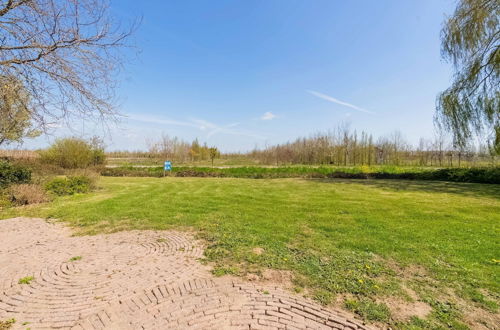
340, 147
171, 148
343, 147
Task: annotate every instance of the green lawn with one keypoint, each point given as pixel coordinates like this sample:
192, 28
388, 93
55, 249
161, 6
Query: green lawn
365, 241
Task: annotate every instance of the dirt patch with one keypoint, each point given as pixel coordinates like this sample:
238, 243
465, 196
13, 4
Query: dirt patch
278, 277
402, 310
258, 251
281, 278
477, 318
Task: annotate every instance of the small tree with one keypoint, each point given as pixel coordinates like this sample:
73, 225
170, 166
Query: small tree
97, 148
214, 153
194, 151
15, 112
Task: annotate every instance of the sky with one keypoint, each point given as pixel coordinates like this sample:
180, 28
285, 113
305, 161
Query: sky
240, 74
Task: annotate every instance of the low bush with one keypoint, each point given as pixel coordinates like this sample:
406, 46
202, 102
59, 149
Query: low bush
24, 194
133, 171
479, 175
12, 174
70, 185
72, 153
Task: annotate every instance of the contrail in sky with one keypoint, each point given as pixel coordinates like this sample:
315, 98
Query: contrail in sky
334, 100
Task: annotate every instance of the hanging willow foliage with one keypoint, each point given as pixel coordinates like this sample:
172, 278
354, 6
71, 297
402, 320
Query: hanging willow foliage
471, 42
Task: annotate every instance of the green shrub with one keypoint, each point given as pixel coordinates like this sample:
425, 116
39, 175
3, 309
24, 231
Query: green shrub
80, 184
58, 186
70, 185
12, 173
73, 153
133, 171
478, 175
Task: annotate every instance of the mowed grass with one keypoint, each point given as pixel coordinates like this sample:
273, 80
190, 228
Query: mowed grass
363, 241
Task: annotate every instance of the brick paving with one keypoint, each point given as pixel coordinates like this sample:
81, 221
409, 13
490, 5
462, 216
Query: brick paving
136, 280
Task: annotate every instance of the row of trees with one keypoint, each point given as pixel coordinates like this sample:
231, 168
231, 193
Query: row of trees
344, 147
340, 147
175, 149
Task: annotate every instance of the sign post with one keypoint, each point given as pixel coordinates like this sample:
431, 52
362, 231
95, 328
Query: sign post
167, 167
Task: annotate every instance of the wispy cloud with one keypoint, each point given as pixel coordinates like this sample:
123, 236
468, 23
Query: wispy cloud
201, 124
225, 129
334, 100
268, 116
161, 120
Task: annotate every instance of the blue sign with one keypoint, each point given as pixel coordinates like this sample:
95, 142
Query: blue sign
167, 166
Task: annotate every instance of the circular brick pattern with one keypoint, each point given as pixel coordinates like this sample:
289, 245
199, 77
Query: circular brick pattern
135, 280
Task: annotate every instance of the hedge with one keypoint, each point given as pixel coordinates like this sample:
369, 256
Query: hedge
476, 175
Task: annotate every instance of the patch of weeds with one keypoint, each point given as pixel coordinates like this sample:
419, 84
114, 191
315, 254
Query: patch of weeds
416, 323
349, 272
419, 323
300, 281
75, 258
447, 313
324, 297
480, 299
7, 324
161, 240
220, 271
368, 309
265, 292
26, 280
298, 289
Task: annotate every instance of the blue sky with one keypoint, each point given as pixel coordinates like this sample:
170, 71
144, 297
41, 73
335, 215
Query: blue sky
239, 73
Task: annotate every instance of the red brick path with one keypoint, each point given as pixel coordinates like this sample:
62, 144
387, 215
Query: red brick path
135, 280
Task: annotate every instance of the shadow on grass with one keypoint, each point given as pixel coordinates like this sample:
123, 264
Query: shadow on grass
466, 189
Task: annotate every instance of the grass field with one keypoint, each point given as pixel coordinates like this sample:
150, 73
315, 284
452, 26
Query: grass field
367, 245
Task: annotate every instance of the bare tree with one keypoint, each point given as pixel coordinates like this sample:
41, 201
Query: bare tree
66, 53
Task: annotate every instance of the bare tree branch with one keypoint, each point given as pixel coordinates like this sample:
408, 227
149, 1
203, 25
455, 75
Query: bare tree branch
67, 54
